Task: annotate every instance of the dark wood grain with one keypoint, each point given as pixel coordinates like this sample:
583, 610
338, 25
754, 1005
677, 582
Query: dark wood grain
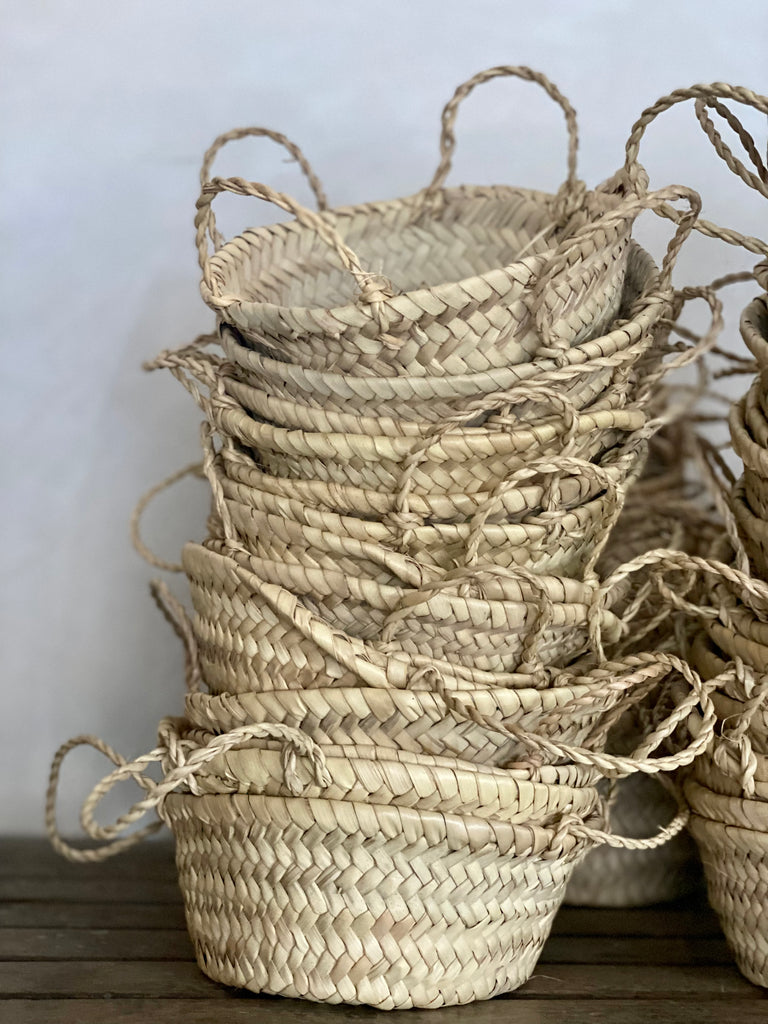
107, 943
173, 944
288, 1011
92, 915
164, 980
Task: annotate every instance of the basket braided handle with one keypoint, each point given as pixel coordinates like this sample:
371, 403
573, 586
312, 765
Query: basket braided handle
601, 232
633, 171
610, 765
186, 761
373, 287
448, 119
758, 181
243, 133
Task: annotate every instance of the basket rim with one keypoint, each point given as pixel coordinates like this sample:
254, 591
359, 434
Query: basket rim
229, 255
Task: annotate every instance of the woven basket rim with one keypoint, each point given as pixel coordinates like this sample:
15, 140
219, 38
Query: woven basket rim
477, 833
229, 255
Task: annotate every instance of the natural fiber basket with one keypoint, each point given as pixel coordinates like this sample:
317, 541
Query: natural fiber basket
543, 487
754, 328
736, 868
257, 629
575, 710
562, 543
336, 901
476, 275
366, 774
752, 529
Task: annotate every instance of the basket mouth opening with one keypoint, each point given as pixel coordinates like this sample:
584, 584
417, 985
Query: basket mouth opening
475, 231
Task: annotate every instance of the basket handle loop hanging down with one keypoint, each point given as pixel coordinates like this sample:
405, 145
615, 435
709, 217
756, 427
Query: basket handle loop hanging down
707, 94
448, 120
243, 133
182, 761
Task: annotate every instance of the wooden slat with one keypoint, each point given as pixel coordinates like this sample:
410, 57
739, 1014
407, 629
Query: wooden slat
691, 917
36, 858
94, 944
159, 944
92, 915
153, 979
84, 890
288, 1011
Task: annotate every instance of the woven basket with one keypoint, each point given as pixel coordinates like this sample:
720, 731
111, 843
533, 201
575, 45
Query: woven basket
576, 711
540, 487
346, 902
475, 274
473, 459
365, 774
261, 632
561, 541
754, 328
752, 529
722, 774
736, 868
580, 376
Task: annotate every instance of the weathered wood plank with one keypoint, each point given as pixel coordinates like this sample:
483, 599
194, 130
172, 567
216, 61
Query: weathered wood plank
87, 978
161, 944
651, 981
152, 979
86, 890
36, 858
288, 1011
94, 944
690, 918
92, 915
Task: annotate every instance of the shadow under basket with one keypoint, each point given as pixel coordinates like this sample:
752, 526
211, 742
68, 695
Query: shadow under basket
335, 901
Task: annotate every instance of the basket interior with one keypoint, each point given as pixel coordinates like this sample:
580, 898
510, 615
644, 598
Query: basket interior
475, 231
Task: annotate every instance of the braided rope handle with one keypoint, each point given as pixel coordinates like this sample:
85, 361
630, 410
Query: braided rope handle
758, 181
182, 761
604, 226
633, 171
234, 135
373, 287
448, 121
610, 765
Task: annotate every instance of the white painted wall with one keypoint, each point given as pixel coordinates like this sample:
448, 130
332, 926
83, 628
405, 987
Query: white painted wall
106, 110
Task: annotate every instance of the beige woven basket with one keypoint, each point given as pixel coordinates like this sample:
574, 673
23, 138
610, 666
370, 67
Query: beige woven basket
752, 529
475, 274
543, 487
576, 710
736, 868
564, 543
579, 376
754, 328
346, 902
258, 629
365, 774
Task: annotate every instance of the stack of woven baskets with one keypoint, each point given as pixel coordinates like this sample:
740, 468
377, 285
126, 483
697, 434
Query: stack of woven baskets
729, 791
421, 419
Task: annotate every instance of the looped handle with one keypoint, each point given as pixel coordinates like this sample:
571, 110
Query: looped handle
182, 761
194, 469
633, 171
234, 135
602, 231
573, 825
373, 287
448, 120
759, 181
610, 765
